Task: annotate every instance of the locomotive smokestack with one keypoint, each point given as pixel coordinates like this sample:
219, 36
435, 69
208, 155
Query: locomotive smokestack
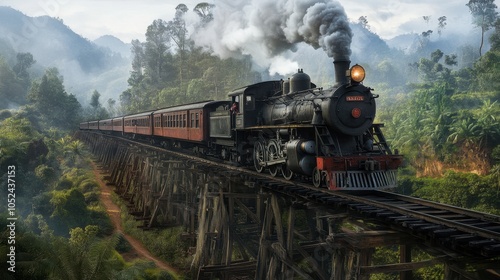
341, 67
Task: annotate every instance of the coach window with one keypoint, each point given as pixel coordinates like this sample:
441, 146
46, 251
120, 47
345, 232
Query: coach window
192, 119
197, 124
184, 123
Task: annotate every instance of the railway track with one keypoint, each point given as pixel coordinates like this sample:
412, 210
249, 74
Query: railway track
458, 229
453, 228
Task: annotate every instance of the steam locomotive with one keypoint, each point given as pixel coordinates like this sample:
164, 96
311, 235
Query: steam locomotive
286, 128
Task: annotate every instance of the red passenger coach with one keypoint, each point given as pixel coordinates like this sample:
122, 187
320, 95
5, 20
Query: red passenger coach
118, 124
84, 125
94, 125
187, 122
106, 125
138, 124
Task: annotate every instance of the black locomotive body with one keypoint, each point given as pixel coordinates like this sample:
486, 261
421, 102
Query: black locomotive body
293, 127
287, 128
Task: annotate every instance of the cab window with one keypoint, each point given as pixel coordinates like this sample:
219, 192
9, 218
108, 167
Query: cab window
249, 103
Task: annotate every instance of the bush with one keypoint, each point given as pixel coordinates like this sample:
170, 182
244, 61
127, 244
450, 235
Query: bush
45, 173
5, 114
88, 185
123, 246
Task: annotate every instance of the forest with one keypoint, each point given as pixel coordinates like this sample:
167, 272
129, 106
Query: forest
443, 117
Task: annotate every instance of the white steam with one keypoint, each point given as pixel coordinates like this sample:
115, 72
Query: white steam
267, 29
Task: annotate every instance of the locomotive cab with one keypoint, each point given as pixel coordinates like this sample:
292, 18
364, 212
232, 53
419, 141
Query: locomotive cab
242, 110
247, 101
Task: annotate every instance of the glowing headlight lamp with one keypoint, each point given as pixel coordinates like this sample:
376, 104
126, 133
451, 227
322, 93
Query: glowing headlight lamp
357, 73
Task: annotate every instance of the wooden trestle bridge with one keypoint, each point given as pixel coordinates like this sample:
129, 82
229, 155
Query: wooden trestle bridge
245, 225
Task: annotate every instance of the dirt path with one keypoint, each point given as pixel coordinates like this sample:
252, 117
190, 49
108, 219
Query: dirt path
114, 214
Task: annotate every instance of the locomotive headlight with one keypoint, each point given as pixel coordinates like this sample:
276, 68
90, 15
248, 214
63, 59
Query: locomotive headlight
357, 73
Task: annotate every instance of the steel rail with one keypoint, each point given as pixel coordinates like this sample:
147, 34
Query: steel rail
400, 209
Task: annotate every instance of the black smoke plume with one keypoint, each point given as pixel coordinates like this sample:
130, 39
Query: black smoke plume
268, 29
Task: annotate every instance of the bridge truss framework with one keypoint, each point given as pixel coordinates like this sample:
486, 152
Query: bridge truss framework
247, 228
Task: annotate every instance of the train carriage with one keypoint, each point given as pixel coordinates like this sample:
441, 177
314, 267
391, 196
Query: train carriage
186, 122
106, 125
94, 125
117, 124
84, 125
138, 124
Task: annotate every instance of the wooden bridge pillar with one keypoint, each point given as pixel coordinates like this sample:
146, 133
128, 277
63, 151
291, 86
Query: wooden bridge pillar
227, 240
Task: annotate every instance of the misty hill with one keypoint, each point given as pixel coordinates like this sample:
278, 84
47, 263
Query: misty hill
86, 66
114, 44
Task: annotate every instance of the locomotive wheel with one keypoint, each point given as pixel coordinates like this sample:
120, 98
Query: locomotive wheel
316, 177
286, 172
272, 154
258, 156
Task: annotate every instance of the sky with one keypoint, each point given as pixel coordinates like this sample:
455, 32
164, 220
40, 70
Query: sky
129, 19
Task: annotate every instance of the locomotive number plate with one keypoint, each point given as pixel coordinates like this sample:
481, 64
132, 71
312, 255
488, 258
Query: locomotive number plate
355, 98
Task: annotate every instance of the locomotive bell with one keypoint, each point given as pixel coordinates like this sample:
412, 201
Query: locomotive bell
300, 81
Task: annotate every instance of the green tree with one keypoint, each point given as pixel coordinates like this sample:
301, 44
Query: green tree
24, 62
137, 75
363, 21
70, 209
437, 117
12, 92
464, 132
484, 16
94, 100
204, 11
84, 256
97, 111
16, 135
157, 52
487, 71
487, 118
431, 70
441, 24
112, 110
495, 37
53, 103
178, 33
